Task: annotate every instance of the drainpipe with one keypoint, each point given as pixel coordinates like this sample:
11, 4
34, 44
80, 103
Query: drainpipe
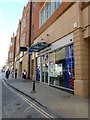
29, 40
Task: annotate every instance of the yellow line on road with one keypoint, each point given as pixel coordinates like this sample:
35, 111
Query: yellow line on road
31, 103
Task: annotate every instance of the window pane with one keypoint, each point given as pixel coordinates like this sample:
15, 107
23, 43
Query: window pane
56, 4
42, 16
48, 10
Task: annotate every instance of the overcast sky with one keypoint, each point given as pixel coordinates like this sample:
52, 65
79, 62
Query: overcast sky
10, 13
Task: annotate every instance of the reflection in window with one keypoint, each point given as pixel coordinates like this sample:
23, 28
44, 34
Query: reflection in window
42, 16
48, 10
56, 4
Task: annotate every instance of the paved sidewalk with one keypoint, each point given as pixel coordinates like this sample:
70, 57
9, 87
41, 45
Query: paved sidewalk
64, 104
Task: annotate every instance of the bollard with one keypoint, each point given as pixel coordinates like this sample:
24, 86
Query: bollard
33, 89
33, 85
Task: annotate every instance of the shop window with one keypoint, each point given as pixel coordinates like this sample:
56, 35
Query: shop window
52, 74
38, 65
60, 68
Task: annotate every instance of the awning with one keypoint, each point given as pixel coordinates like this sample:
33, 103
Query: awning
23, 49
39, 46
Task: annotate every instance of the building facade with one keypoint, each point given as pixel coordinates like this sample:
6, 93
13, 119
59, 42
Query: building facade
65, 26
17, 52
11, 53
21, 58
59, 41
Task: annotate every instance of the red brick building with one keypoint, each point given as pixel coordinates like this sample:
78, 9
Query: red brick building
11, 52
23, 35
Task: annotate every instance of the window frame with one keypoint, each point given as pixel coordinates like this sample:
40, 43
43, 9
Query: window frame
45, 12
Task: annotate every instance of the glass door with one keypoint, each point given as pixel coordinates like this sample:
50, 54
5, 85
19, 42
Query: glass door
45, 68
38, 69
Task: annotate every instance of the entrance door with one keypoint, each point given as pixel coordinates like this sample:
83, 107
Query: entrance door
45, 73
45, 68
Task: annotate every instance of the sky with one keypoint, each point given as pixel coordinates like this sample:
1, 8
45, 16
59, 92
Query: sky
10, 13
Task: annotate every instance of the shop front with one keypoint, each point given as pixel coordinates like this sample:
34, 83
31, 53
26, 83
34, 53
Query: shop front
56, 67
61, 67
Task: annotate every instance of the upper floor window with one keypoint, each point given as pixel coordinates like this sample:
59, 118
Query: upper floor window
11, 54
42, 16
22, 40
34, 4
56, 4
23, 24
18, 33
26, 37
12, 43
33, 31
48, 10
27, 13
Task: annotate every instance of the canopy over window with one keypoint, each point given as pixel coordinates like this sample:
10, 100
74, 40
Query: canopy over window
39, 46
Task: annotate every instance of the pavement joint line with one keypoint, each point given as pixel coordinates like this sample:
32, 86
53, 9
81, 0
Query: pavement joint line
32, 104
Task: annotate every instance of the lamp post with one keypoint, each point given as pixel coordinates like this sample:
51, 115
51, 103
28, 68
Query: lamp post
29, 40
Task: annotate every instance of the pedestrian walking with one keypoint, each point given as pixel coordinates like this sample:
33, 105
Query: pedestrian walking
24, 74
7, 73
12, 73
15, 73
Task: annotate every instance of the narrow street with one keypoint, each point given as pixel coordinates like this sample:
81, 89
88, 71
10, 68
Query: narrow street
17, 105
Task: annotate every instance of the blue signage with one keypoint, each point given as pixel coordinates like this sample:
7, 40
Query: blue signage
70, 75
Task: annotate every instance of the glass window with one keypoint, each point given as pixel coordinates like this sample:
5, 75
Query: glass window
12, 43
38, 68
33, 31
60, 68
48, 10
27, 36
56, 4
34, 5
23, 24
42, 17
18, 33
11, 54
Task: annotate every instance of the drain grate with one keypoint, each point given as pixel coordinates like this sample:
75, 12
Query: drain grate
17, 103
